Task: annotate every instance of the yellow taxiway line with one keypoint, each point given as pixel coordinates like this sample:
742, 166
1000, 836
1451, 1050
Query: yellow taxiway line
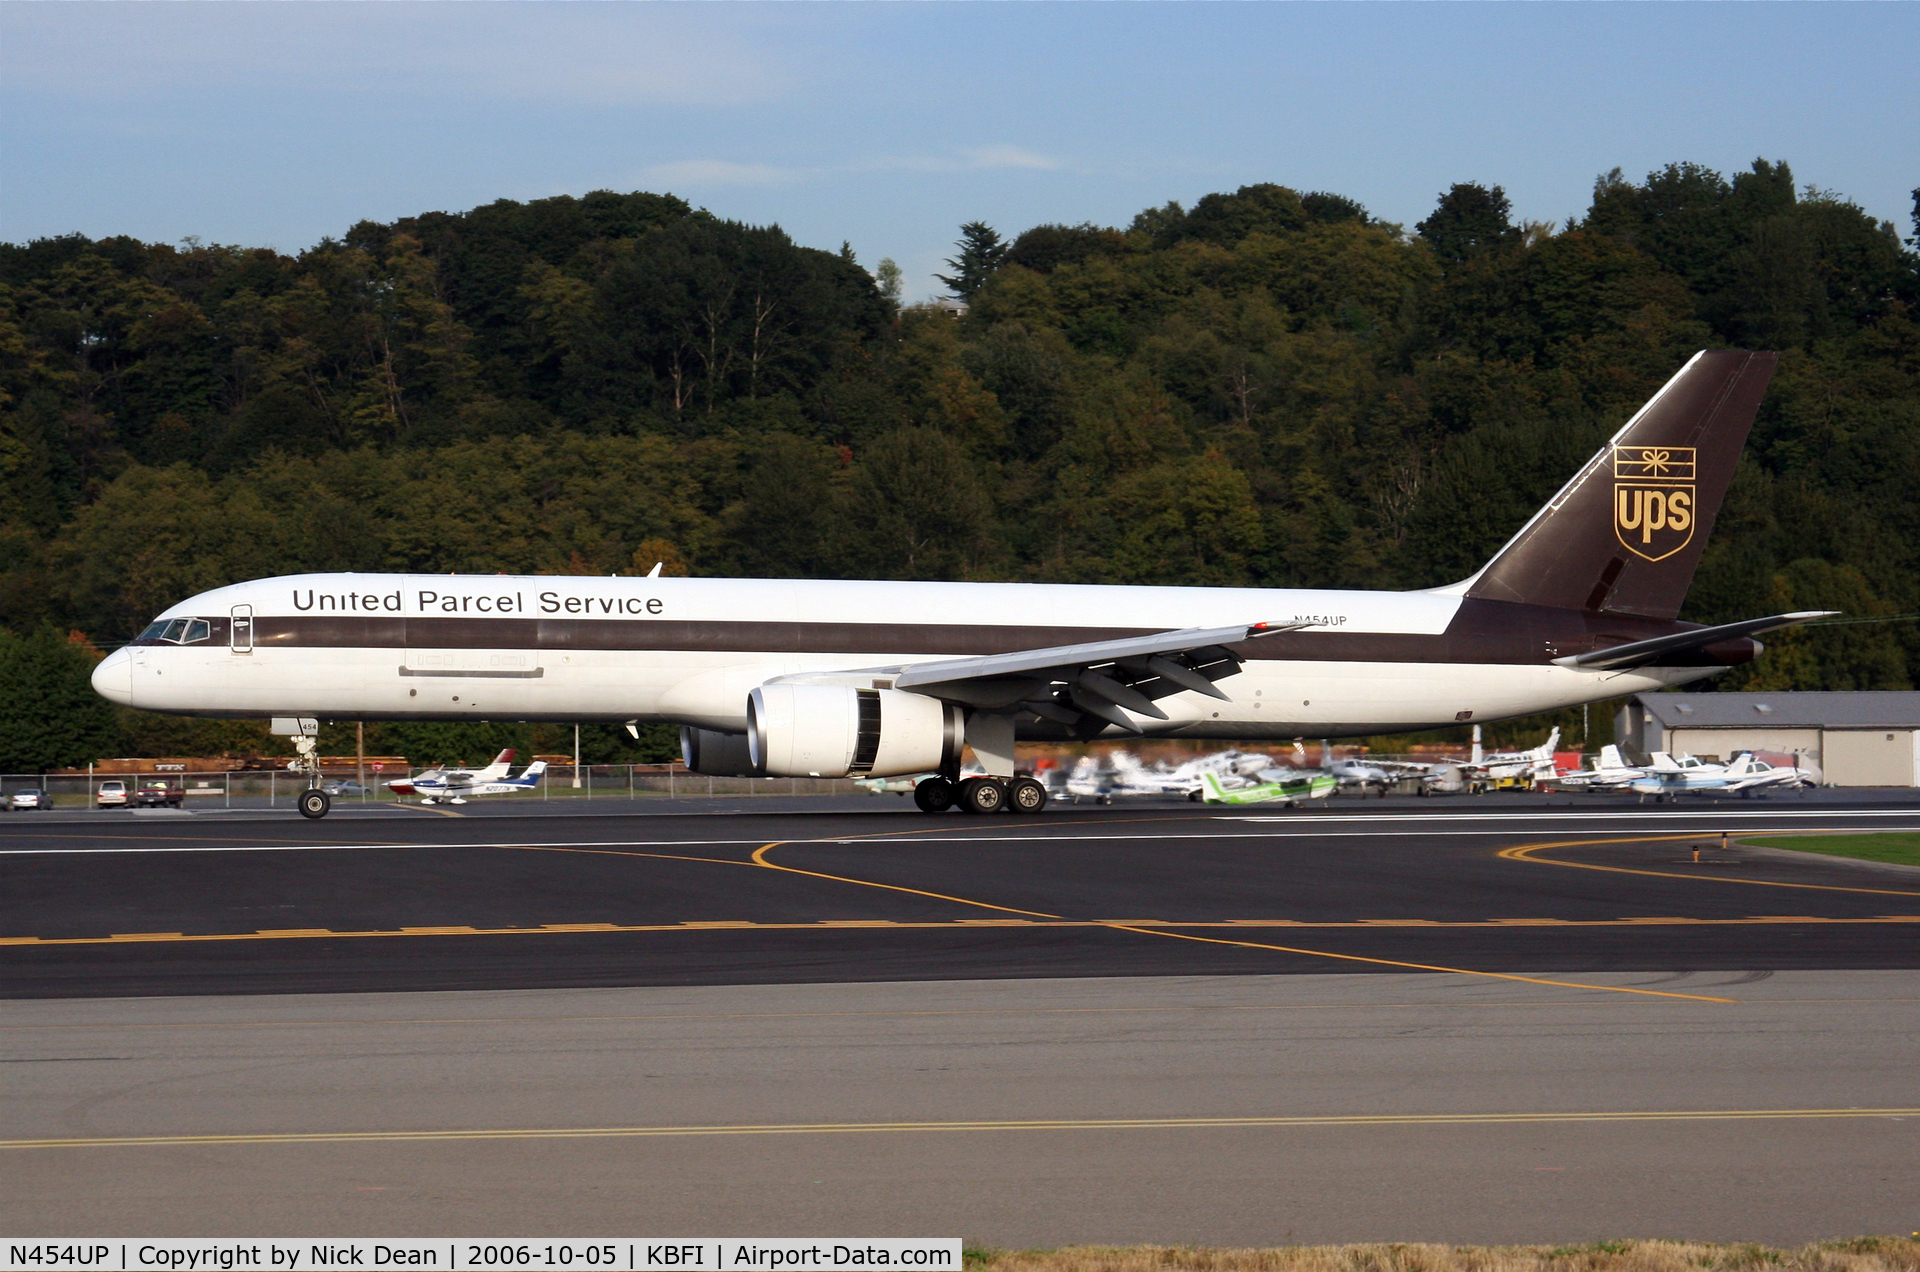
760, 858
1152, 926
925, 1128
1529, 853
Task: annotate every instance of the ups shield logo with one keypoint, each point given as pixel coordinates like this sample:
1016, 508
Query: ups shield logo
1653, 501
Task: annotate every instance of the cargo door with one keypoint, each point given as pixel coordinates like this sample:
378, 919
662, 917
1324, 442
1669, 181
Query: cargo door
469, 658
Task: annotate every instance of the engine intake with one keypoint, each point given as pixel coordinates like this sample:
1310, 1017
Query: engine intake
829, 731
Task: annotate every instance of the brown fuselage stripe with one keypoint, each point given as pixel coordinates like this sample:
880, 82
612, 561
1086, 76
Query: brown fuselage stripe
1481, 632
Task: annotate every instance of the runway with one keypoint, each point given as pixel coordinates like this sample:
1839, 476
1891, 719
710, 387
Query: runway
506, 900
1135, 1024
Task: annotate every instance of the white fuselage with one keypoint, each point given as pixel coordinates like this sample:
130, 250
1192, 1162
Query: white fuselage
569, 648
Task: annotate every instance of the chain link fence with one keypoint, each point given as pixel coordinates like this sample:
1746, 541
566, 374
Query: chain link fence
278, 788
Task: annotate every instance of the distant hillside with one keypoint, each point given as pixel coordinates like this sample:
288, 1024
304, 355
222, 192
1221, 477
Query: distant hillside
1269, 388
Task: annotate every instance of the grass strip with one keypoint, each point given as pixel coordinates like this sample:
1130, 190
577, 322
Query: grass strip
1857, 1254
1899, 847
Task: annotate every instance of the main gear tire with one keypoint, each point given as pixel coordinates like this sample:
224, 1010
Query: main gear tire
982, 795
1025, 795
934, 794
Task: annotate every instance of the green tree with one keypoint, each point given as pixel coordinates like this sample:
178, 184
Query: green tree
154, 537
50, 717
981, 252
1188, 522
1470, 221
914, 509
888, 278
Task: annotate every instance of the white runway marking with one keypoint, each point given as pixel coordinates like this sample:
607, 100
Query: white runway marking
1702, 822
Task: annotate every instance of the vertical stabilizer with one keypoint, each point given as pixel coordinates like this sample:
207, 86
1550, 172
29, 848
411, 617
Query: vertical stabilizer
1625, 534
496, 770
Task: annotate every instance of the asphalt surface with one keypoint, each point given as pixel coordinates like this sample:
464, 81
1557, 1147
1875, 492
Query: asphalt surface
840, 1017
510, 897
1220, 1110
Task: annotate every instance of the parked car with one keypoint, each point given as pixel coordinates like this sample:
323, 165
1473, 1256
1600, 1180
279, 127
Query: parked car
27, 797
111, 795
157, 793
344, 787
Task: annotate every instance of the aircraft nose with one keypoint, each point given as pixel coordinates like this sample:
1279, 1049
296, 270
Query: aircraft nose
113, 678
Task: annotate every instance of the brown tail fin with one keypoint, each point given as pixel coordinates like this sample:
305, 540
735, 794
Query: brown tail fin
1626, 533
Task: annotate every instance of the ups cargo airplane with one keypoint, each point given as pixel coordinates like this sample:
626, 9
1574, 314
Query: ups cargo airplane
824, 678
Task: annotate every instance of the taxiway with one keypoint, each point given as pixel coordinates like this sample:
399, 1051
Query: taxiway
1107, 1025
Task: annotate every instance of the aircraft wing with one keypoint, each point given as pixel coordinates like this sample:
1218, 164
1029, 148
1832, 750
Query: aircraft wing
1069, 683
1641, 653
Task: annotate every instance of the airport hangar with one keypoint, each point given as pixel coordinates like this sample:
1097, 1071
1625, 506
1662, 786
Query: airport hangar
1863, 738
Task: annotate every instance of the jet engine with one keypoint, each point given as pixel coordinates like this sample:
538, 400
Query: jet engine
713, 754
829, 731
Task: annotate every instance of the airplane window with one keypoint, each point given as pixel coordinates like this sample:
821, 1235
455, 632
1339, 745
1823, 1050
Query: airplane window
175, 630
154, 631
197, 629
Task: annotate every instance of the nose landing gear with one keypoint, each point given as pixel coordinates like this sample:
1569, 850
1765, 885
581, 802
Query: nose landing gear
313, 801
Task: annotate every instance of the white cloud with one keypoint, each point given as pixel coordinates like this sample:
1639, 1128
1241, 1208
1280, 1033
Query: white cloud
971, 159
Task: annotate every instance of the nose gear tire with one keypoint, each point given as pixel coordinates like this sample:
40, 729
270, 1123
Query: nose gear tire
314, 802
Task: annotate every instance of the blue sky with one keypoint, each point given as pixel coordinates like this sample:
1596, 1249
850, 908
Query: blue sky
888, 124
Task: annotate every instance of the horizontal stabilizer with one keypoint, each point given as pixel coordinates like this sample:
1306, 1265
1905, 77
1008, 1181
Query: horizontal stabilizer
1642, 653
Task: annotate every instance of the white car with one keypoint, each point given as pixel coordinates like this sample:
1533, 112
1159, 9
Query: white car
27, 797
112, 795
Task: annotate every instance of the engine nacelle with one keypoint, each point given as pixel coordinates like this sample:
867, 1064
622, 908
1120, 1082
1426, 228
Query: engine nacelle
828, 731
713, 754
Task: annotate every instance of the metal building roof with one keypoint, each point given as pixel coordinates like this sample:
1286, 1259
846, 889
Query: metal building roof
1865, 709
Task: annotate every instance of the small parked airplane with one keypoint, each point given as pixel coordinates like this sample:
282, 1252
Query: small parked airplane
453, 786
1610, 772
1361, 775
1749, 772
1085, 780
1668, 778
1529, 766
1290, 787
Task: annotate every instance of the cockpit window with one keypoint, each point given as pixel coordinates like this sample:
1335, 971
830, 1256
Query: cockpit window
178, 631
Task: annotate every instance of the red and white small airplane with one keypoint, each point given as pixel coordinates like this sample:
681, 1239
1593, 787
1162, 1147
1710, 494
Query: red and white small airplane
453, 786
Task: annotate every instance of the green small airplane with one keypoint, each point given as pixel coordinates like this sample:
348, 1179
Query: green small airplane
1291, 790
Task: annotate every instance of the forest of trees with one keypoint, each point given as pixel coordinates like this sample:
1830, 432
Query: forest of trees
1267, 388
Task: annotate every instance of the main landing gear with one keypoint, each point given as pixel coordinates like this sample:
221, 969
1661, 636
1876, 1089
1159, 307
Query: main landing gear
980, 795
